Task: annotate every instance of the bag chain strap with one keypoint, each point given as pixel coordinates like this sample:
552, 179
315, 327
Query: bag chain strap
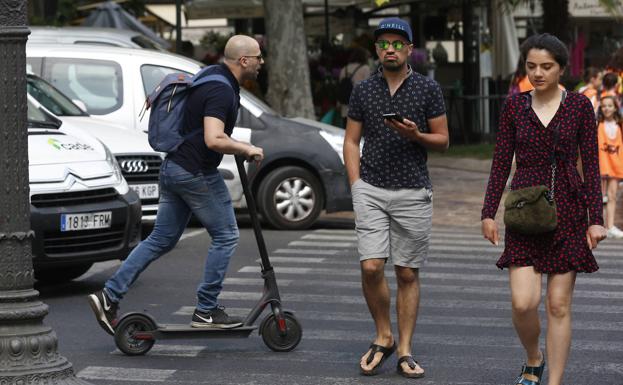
550, 193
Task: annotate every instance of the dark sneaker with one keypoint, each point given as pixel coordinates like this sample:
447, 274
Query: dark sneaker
105, 311
215, 318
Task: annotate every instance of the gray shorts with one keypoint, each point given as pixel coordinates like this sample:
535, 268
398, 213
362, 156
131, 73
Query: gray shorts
393, 224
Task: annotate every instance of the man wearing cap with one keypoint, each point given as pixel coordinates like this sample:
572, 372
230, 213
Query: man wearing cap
391, 188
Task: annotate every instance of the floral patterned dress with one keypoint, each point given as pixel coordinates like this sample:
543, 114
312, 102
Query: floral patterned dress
579, 203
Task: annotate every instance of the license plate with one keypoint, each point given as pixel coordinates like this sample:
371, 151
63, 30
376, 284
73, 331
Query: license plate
86, 221
146, 191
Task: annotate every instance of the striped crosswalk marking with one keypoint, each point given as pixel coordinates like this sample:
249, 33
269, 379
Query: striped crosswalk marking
125, 374
320, 279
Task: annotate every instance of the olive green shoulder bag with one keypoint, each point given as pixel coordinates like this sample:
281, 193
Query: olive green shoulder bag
532, 210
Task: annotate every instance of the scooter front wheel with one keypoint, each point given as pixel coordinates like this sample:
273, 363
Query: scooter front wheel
278, 341
125, 335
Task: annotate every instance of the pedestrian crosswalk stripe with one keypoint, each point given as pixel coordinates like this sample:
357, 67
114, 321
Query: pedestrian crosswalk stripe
449, 339
330, 237
335, 231
499, 249
478, 261
442, 246
458, 237
322, 244
483, 242
433, 303
485, 322
349, 375
125, 374
306, 251
433, 254
171, 350
193, 233
493, 276
427, 287
296, 259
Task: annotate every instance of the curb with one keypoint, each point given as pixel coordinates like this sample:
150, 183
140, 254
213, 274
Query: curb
464, 164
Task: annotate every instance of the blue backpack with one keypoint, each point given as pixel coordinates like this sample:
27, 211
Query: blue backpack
166, 129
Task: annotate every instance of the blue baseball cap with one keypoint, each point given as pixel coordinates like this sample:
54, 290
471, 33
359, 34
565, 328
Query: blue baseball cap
394, 25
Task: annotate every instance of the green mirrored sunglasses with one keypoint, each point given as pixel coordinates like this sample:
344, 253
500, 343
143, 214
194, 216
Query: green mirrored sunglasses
384, 44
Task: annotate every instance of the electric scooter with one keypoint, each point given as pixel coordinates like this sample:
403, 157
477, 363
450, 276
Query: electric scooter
137, 332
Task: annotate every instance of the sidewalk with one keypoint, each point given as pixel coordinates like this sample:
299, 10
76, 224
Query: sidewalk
459, 186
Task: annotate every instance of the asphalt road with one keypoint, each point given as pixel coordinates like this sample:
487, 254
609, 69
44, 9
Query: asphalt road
464, 334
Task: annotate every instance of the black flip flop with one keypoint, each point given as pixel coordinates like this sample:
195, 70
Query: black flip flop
412, 363
377, 349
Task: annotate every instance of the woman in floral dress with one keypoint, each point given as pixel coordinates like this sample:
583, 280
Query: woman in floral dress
529, 123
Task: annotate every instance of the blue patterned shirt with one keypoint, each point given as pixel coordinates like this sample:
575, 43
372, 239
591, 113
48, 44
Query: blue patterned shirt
388, 159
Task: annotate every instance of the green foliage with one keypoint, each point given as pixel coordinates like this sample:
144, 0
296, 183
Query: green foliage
214, 41
66, 12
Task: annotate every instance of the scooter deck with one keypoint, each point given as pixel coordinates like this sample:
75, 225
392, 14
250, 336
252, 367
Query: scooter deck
174, 331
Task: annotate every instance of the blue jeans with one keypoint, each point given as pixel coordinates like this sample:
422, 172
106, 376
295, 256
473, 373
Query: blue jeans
182, 193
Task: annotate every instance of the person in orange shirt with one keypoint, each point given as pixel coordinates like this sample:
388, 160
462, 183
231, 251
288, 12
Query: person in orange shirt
592, 78
610, 141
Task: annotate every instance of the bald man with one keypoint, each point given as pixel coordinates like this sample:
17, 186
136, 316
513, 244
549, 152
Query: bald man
190, 183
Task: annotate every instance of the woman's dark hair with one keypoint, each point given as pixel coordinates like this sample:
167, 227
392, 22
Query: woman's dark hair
610, 80
548, 42
617, 114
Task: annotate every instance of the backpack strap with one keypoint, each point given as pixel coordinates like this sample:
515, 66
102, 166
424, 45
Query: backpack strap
201, 79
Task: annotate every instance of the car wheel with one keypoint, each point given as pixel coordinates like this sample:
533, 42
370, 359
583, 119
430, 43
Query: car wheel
290, 198
62, 273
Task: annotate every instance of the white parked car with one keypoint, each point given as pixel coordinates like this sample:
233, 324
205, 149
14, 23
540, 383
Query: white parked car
82, 210
139, 163
303, 171
92, 35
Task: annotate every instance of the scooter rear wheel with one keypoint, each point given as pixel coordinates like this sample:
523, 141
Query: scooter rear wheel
124, 335
273, 338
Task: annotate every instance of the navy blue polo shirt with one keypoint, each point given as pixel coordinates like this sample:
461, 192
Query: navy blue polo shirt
388, 159
213, 99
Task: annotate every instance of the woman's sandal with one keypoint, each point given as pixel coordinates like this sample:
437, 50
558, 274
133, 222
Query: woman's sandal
374, 348
532, 370
412, 364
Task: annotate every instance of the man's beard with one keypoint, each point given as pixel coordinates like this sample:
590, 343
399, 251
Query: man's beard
392, 66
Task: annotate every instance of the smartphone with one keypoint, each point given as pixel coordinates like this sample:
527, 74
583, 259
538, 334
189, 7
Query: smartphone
393, 115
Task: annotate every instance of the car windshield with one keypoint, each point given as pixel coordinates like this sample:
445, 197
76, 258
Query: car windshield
38, 117
52, 99
257, 102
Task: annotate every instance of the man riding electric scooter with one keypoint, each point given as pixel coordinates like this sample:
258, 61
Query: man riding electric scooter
190, 183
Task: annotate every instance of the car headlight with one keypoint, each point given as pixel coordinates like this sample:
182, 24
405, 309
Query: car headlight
336, 141
120, 183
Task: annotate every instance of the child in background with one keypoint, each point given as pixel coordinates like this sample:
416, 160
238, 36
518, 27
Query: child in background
610, 82
610, 140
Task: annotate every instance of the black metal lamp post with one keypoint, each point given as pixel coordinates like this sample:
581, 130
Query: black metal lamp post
27, 347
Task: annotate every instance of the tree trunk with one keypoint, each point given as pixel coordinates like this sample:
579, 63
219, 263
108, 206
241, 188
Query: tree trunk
556, 19
289, 89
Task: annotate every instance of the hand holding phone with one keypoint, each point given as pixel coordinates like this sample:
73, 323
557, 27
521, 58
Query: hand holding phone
393, 116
